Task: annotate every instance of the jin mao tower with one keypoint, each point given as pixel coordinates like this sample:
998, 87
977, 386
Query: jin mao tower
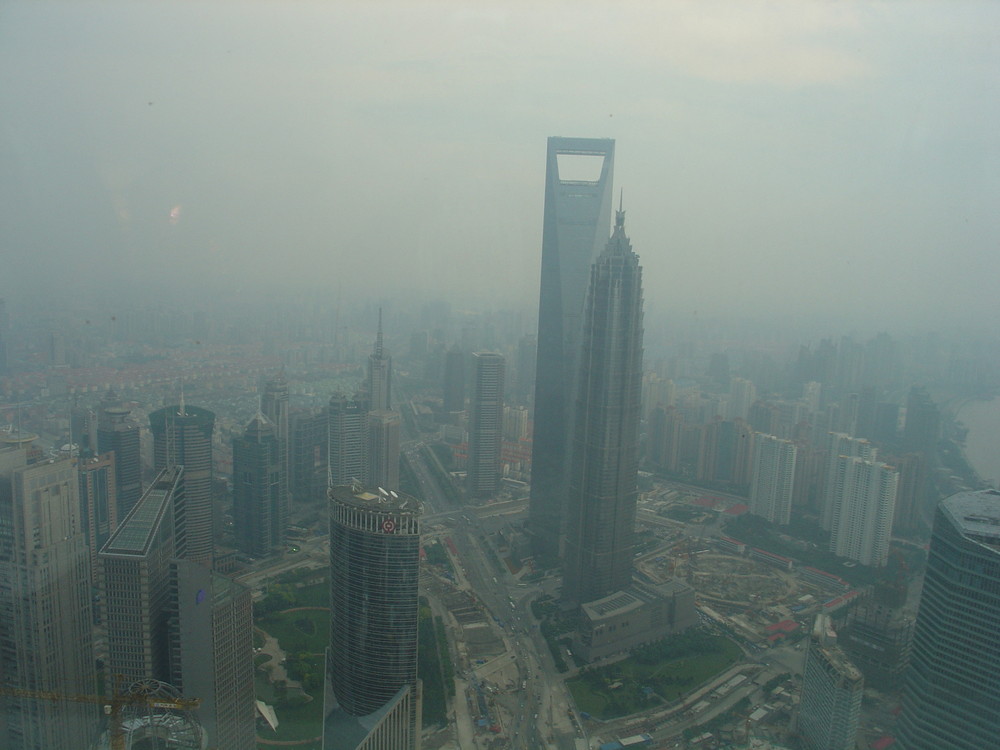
603, 483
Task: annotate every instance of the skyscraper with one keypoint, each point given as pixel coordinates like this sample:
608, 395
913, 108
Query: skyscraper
259, 513
45, 616
348, 440
372, 659
383, 449
832, 689
840, 444
865, 497
212, 652
576, 222
773, 479
119, 433
485, 425
309, 454
135, 582
97, 503
379, 374
951, 692
454, 380
182, 436
274, 406
603, 483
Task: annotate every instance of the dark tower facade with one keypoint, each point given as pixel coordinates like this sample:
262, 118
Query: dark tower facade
576, 221
603, 488
259, 516
454, 380
118, 432
372, 659
486, 425
274, 406
951, 693
182, 436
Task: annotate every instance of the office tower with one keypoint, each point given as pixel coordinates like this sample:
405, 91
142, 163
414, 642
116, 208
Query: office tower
308, 454
951, 692
832, 689
45, 616
135, 582
259, 515
577, 216
840, 444
454, 380
524, 382
274, 406
4, 353
117, 432
383, 449
865, 497
348, 439
212, 652
603, 482
83, 429
182, 436
372, 689
773, 481
878, 637
98, 504
922, 427
485, 425
379, 374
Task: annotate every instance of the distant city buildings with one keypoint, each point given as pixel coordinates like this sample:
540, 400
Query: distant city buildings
372, 693
577, 216
951, 692
485, 425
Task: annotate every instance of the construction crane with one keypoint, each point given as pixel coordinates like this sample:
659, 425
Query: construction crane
138, 695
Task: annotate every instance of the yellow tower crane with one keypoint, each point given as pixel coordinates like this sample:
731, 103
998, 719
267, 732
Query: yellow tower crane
113, 705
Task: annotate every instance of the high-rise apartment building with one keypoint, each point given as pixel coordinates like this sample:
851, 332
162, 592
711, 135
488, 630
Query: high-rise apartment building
832, 689
951, 693
577, 216
259, 513
348, 439
864, 494
840, 444
773, 482
135, 582
182, 436
117, 432
603, 481
383, 449
274, 406
379, 374
45, 615
372, 690
485, 425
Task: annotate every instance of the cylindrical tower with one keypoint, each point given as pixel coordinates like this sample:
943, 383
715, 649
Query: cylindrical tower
374, 566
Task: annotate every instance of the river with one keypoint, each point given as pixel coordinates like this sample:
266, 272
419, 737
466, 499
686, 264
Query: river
982, 444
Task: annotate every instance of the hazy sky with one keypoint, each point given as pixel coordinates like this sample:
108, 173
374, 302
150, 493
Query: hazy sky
785, 158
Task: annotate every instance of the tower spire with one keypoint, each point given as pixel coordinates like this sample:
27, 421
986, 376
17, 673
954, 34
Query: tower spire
378, 336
